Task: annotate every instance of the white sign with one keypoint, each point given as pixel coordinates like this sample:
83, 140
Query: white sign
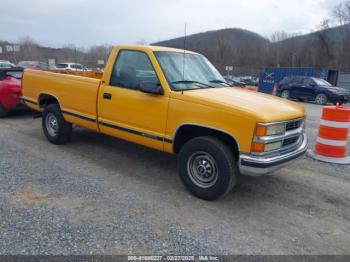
0, 49
100, 62
229, 68
9, 48
12, 48
52, 63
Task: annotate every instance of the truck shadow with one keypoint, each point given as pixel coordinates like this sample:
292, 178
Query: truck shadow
154, 167
21, 113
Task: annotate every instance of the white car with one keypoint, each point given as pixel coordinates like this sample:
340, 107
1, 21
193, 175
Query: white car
71, 66
6, 64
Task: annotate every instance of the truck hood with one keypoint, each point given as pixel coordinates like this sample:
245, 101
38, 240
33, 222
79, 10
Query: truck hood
259, 106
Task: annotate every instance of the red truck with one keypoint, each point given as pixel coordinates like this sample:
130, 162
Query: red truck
10, 89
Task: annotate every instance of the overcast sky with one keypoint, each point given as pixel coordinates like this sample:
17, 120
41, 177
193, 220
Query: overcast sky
92, 22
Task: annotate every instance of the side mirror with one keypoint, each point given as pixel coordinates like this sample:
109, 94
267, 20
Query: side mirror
151, 88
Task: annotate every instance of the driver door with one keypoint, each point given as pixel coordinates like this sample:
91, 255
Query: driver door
295, 87
308, 88
125, 111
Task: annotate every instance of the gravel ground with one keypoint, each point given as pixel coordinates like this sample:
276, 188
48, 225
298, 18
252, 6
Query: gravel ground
99, 195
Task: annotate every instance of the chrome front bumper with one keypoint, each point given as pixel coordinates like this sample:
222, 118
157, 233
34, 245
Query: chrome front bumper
255, 165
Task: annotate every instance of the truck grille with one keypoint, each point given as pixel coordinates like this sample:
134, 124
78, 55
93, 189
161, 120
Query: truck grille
294, 124
290, 141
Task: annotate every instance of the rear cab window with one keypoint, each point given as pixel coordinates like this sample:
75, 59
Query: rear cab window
15, 74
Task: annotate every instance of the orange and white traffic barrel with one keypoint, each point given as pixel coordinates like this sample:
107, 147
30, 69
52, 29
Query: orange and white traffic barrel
333, 135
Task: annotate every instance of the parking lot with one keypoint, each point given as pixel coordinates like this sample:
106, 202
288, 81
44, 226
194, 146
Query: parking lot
102, 195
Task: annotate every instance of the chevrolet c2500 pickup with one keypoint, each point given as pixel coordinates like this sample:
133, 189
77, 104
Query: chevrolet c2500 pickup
177, 102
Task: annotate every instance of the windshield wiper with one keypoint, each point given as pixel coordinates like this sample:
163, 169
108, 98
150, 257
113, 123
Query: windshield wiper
218, 81
189, 82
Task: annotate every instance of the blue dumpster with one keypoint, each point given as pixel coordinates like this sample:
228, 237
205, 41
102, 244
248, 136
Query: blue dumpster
271, 75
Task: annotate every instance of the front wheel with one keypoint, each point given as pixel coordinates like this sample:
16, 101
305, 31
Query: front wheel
3, 111
55, 128
321, 99
285, 94
207, 167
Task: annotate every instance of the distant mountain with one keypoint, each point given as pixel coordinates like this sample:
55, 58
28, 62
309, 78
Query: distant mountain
334, 34
328, 48
235, 36
231, 46
249, 52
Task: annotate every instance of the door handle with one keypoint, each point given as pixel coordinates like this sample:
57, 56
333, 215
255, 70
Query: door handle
107, 96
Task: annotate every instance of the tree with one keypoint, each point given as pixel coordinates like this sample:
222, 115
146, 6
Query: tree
325, 24
279, 36
341, 13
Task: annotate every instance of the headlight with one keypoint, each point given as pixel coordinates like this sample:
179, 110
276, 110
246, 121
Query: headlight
273, 146
263, 130
338, 92
259, 147
270, 130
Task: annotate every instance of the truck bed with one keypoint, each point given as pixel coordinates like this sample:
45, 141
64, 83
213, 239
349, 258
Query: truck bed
77, 95
90, 74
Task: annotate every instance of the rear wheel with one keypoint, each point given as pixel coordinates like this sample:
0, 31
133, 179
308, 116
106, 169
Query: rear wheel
285, 94
207, 167
321, 99
55, 128
3, 111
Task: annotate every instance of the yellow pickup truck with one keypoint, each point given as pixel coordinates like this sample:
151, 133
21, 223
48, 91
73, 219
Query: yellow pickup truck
177, 102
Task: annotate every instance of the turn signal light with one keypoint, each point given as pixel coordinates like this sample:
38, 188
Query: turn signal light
258, 147
261, 130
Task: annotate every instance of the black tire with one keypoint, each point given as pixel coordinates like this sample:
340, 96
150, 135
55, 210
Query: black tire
321, 99
3, 111
62, 132
210, 149
285, 94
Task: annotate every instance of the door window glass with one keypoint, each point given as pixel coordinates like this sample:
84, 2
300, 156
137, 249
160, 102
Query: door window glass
307, 82
297, 81
131, 69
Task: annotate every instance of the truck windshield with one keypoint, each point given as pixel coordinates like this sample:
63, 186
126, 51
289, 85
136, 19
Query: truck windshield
189, 71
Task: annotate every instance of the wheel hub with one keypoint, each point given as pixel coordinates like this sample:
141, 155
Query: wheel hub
51, 124
202, 169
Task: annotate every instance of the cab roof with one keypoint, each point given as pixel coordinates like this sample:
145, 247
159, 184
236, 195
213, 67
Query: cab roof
155, 48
